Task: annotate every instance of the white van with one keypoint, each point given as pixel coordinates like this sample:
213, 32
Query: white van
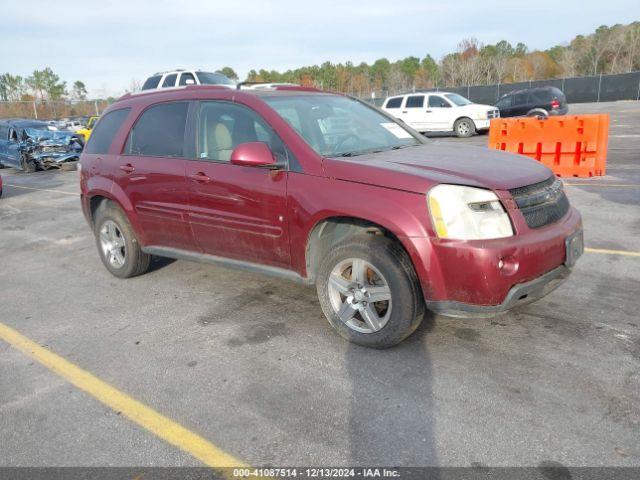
441, 112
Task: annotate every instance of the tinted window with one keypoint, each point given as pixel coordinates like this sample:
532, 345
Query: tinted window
437, 102
152, 82
416, 101
187, 76
504, 102
159, 132
222, 126
105, 130
544, 96
207, 78
170, 80
520, 99
394, 102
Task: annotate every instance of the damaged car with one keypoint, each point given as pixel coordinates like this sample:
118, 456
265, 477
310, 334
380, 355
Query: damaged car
33, 145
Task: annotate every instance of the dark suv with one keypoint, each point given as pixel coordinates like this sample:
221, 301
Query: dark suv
533, 102
327, 190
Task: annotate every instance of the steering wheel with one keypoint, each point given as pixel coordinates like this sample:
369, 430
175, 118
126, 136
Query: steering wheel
344, 139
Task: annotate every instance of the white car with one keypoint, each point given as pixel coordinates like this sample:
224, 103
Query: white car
441, 112
181, 78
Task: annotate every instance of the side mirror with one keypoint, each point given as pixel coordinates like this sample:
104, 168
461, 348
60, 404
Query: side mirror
189, 81
253, 154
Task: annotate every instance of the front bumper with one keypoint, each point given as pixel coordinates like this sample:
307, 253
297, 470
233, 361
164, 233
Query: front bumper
519, 295
482, 124
483, 278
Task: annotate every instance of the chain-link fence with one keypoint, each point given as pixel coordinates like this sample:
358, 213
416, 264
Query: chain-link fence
51, 110
595, 88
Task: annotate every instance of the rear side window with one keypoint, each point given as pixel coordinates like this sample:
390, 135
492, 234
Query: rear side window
394, 102
415, 101
187, 76
152, 82
544, 96
159, 132
107, 127
170, 80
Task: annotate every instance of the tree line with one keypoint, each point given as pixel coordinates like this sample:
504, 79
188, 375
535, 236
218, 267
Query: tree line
40, 85
608, 50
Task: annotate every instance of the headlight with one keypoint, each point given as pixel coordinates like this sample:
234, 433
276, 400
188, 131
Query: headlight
467, 213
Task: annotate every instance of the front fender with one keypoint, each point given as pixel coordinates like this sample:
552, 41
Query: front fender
315, 199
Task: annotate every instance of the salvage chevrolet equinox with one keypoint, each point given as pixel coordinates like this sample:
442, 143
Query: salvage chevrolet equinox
326, 190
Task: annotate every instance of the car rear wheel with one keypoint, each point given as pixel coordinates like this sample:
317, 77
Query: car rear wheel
369, 292
540, 114
464, 127
117, 243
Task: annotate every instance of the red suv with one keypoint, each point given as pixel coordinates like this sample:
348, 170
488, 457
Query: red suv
324, 189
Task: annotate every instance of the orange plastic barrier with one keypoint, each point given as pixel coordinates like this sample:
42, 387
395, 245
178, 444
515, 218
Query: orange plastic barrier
570, 145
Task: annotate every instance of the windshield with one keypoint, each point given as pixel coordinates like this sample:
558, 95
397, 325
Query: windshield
459, 100
207, 78
339, 126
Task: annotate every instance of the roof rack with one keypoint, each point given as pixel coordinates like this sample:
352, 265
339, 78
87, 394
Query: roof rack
298, 88
172, 89
275, 86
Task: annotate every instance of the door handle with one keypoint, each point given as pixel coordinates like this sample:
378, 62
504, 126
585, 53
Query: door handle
404, 111
128, 168
200, 177
428, 111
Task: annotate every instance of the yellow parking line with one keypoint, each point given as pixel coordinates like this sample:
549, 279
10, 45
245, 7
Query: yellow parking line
612, 252
41, 189
146, 417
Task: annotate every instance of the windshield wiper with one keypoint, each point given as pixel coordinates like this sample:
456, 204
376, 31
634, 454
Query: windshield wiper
360, 152
398, 147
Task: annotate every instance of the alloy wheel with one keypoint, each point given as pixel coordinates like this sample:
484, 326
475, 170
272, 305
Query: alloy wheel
113, 244
360, 295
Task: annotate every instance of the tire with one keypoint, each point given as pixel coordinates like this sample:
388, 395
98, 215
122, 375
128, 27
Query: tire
28, 166
464, 127
391, 267
124, 259
541, 114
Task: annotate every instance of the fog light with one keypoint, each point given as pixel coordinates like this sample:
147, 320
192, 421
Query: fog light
508, 265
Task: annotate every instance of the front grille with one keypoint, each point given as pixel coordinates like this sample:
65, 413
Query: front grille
541, 203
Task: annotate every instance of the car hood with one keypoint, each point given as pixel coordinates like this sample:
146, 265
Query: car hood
477, 107
416, 169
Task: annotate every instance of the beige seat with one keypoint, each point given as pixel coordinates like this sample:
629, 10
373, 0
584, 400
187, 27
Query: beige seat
219, 142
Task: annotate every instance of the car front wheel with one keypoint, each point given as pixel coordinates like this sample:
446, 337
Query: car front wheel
369, 292
464, 127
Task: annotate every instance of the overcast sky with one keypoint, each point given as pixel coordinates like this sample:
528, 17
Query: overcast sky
107, 44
